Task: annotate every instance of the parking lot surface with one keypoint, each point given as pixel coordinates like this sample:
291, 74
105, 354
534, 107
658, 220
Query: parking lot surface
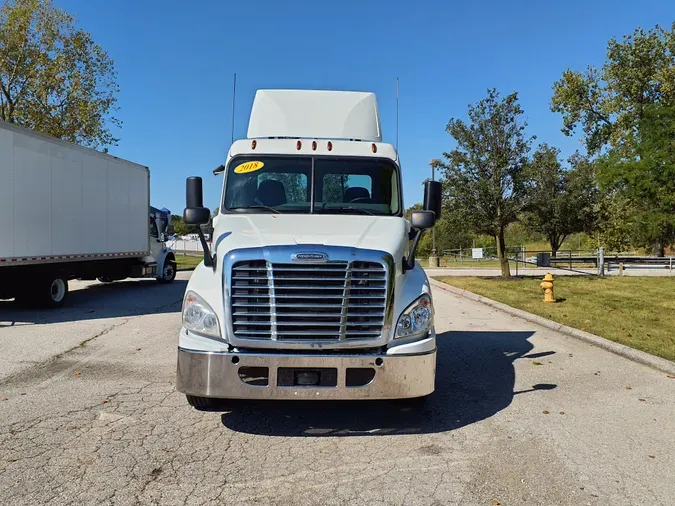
521, 415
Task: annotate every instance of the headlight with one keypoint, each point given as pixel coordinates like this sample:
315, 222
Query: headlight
416, 319
198, 317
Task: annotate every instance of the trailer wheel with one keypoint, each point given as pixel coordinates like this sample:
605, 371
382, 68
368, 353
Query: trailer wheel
52, 291
205, 403
168, 272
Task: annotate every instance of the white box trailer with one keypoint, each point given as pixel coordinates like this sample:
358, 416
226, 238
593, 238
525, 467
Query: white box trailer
69, 212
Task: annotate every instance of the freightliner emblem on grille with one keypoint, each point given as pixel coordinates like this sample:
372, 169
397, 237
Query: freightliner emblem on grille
309, 257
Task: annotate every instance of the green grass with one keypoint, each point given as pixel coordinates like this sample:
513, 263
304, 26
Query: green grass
186, 262
637, 312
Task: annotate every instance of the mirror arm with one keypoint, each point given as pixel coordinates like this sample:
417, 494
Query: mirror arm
209, 260
409, 263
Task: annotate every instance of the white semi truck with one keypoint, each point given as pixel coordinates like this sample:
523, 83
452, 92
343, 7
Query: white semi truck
68, 212
311, 290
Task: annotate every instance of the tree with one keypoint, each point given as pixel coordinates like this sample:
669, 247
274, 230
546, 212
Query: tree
53, 78
485, 175
414, 207
615, 222
562, 200
643, 173
608, 103
180, 227
450, 233
334, 186
295, 184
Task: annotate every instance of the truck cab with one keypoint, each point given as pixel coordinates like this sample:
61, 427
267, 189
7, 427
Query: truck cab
160, 253
311, 290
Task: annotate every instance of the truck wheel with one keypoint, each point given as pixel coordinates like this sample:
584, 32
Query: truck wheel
205, 403
168, 272
52, 291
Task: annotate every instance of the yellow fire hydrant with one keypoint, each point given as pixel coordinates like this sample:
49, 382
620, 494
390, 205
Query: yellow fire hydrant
547, 286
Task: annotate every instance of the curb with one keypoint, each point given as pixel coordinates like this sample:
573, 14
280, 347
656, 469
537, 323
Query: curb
619, 349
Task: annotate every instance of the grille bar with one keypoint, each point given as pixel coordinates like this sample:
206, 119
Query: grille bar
308, 302
312, 324
307, 296
310, 315
308, 333
301, 305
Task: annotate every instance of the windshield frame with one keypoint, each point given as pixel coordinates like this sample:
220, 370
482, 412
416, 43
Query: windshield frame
312, 208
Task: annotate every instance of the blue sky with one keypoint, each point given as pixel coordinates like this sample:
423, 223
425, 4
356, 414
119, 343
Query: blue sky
175, 61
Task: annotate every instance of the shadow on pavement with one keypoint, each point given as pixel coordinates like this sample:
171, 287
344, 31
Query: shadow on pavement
475, 380
101, 300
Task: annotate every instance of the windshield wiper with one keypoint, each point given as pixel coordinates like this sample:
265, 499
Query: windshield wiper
350, 208
269, 208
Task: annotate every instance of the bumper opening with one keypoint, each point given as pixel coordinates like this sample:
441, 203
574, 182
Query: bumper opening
359, 376
255, 376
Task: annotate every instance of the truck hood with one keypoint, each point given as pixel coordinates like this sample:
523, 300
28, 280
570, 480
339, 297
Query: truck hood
383, 233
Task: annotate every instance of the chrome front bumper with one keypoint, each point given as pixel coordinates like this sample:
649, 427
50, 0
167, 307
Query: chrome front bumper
216, 374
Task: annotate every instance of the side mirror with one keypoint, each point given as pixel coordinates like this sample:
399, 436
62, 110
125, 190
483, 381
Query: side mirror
422, 220
195, 213
162, 237
433, 197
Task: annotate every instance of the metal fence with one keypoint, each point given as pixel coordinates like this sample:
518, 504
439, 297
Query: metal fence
596, 261
583, 261
186, 246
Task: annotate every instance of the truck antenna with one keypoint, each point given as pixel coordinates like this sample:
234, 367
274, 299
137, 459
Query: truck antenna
221, 168
397, 114
234, 94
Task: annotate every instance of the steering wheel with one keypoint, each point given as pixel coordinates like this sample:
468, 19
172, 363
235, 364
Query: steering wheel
360, 199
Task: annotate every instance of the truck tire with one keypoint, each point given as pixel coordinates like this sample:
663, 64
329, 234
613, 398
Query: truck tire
52, 291
205, 403
168, 272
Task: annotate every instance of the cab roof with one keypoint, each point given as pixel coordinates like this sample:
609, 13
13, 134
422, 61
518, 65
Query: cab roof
315, 114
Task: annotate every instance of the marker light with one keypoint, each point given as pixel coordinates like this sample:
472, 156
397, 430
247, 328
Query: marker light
298, 145
330, 146
313, 145
374, 147
254, 143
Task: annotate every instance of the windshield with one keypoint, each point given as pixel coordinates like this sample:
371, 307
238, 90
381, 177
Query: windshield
284, 185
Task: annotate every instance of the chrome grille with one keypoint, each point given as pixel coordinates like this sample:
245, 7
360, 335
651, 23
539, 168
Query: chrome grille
330, 301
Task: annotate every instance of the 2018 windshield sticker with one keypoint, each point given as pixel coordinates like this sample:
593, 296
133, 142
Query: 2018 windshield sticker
248, 167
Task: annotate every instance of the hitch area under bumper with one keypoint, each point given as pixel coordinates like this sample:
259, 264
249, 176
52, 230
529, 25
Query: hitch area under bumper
250, 375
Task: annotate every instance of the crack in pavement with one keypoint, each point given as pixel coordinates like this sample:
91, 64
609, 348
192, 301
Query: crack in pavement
51, 366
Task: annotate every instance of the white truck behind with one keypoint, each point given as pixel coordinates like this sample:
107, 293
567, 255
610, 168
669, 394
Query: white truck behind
68, 212
311, 290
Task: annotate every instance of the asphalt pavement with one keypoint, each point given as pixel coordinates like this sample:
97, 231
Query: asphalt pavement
521, 415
